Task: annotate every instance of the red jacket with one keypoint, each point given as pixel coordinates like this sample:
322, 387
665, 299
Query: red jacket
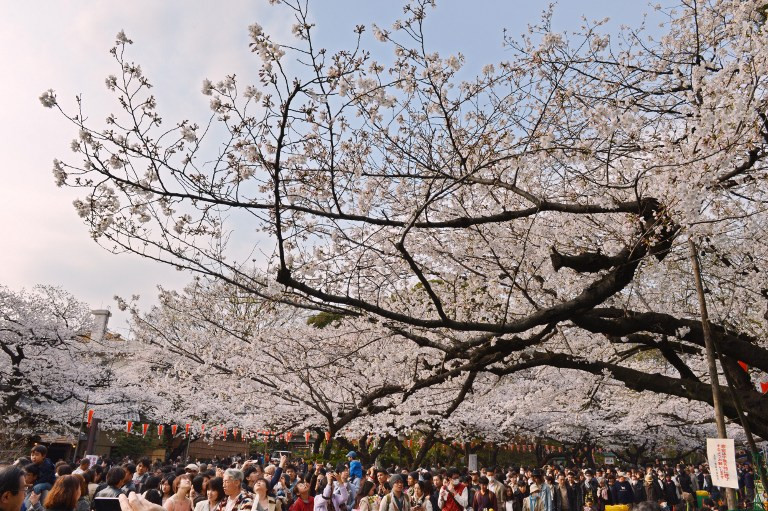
300, 505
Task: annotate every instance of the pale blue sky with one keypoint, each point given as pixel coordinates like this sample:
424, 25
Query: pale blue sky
64, 45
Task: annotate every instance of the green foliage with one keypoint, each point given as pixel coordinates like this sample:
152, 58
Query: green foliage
134, 445
323, 319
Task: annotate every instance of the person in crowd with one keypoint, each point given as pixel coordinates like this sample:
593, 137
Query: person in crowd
520, 494
166, 487
575, 492
604, 496
434, 496
560, 494
333, 495
420, 498
494, 485
303, 500
64, 494
152, 490
214, 495
198, 494
12, 484
669, 491
454, 495
545, 489
47, 474
142, 474
622, 490
115, 479
262, 501
84, 502
484, 498
181, 499
397, 499
509, 498
651, 489
237, 498
97, 477
533, 502
84, 465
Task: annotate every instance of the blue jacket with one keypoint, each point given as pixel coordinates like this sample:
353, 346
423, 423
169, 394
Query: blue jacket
355, 469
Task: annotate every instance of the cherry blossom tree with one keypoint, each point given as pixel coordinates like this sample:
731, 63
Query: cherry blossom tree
50, 365
534, 216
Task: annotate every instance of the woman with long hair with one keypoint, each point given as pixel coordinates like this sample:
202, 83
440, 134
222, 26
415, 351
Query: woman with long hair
166, 488
84, 502
420, 498
64, 494
367, 499
215, 495
180, 500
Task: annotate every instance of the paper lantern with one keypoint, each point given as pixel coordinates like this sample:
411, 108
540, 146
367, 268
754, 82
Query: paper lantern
159, 430
144, 429
186, 428
288, 436
327, 436
128, 426
174, 428
90, 417
306, 436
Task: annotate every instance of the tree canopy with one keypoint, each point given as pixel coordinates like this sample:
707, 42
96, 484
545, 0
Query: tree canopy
530, 221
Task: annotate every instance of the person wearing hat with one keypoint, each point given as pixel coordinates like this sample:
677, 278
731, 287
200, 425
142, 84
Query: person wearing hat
355, 467
396, 500
533, 502
454, 496
545, 490
651, 489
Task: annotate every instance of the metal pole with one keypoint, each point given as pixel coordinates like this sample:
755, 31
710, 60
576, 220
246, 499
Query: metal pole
80, 429
730, 493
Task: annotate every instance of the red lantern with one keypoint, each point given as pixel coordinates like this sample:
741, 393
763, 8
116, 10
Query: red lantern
234, 433
202, 428
288, 436
159, 430
306, 436
327, 436
186, 428
144, 429
174, 429
129, 426
90, 417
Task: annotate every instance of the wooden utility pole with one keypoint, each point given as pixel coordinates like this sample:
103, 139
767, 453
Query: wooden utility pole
730, 493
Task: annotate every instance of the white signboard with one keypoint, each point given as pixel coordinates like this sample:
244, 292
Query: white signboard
93, 458
721, 456
472, 464
610, 460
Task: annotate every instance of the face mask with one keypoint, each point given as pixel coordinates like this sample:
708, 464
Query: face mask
455, 482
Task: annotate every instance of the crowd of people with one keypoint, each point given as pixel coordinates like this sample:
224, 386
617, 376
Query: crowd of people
235, 484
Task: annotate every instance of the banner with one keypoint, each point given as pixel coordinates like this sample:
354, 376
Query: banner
90, 417
721, 456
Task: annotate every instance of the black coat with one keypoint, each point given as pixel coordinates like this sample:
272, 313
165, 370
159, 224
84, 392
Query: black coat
670, 493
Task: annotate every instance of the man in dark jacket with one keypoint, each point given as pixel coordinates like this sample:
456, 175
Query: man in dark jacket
623, 491
575, 493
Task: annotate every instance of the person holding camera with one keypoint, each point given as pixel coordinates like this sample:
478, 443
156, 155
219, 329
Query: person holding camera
334, 496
